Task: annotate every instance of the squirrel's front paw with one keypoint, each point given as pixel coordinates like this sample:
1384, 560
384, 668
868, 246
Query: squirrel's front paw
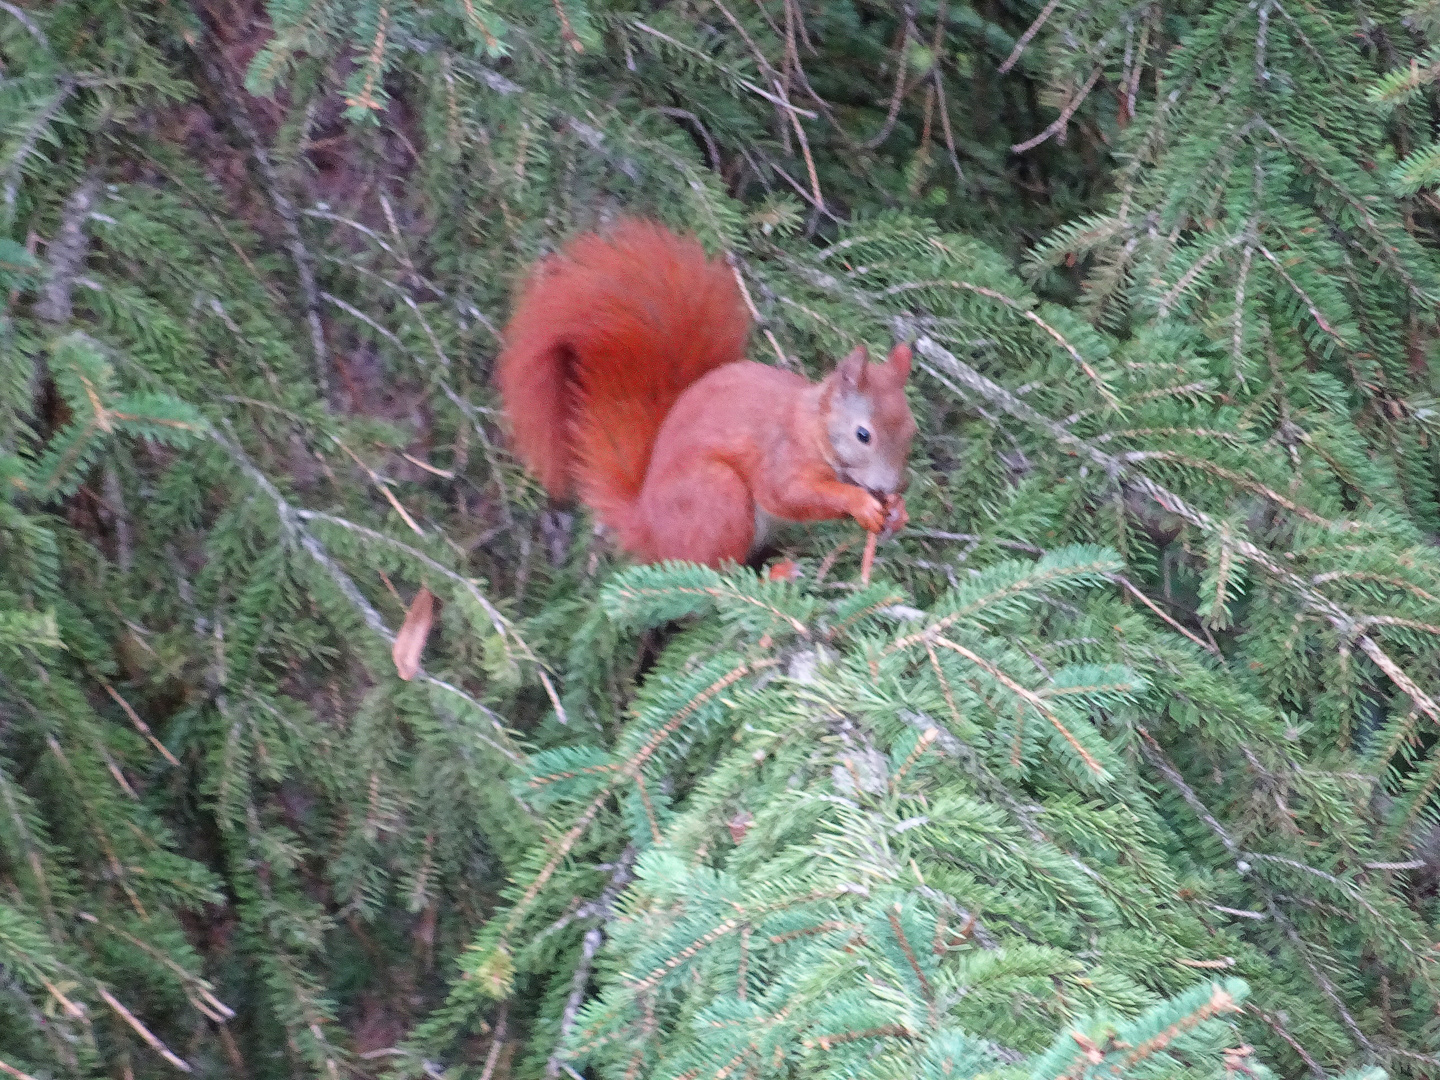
896, 516
870, 513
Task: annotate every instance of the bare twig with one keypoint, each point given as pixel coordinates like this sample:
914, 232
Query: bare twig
805, 149
1065, 114
1124, 582
141, 1030
384, 486
746, 83
1237, 337
497, 1041
140, 725
1028, 36
734, 262
800, 190
685, 114
868, 558
65, 257
114, 500
1137, 67
944, 108
469, 411
897, 95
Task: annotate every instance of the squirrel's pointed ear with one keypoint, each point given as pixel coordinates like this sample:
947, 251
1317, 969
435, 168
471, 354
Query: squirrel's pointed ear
850, 372
899, 363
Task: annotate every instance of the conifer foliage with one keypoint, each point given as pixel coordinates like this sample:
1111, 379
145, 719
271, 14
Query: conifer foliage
1123, 764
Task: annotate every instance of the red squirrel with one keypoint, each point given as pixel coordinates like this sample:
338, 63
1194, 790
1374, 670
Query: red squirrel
624, 376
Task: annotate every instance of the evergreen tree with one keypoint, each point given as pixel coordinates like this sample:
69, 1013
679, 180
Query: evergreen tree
1122, 765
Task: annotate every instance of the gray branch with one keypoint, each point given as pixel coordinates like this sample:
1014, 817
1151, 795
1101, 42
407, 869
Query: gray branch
604, 907
66, 254
293, 528
961, 377
23, 19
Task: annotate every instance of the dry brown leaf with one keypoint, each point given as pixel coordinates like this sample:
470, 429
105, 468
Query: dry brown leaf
410, 641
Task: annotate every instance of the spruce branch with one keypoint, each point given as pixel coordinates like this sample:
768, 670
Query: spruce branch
1034, 700
628, 772
1157, 757
1128, 586
497, 1043
97, 826
290, 522
1220, 1002
463, 307
945, 366
470, 411
807, 806
1315, 312
996, 789
830, 283
33, 851
1316, 1069
1063, 120
198, 991
1153, 753
739, 80
603, 907
1327, 987
231, 98
66, 86
503, 627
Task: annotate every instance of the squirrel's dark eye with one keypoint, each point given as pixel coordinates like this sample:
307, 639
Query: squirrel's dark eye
862, 434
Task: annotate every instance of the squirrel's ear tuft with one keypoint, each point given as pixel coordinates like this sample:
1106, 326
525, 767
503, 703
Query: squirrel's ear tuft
899, 363
850, 372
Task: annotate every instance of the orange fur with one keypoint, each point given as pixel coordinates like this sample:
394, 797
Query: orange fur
624, 379
605, 336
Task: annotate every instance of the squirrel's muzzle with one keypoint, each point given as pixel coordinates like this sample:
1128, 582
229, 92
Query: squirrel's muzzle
895, 484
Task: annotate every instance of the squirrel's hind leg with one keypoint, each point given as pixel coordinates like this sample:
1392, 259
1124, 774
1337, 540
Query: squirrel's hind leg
703, 515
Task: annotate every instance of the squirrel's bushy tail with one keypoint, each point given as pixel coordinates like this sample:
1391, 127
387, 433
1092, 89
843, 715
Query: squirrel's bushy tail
605, 336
